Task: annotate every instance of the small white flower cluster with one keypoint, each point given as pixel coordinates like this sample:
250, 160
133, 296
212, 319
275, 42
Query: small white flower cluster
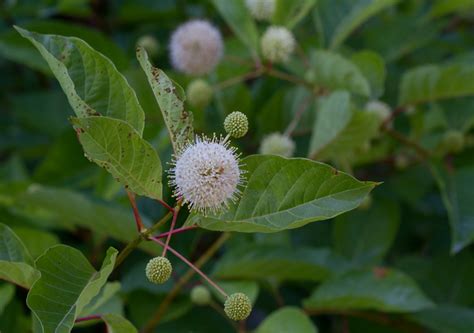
196, 47
261, 9
277, 144
206, 175
277, 44
380, 109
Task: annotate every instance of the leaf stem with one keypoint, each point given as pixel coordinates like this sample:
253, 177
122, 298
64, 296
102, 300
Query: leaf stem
138, 219
424, 153
298, 114
87, 318
173, 223
238, 79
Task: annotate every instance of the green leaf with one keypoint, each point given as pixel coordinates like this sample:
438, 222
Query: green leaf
446, 319
339, 18
289, 13
16, 264
264, 262
249, 288
115, 146
239, 20
118, 324
332, 71
170, 97
434, 82
372, 66
90, 81
284, 194
7, 292
67, 284
287, 319
36, 241
384, 290
109, 290
444, 7
365, 236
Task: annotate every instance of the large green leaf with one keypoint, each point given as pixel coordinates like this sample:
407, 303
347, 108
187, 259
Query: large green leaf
238, 18
115, 146
118, 324
365, 236
287, 319
337, 19
106, 294
90, 81
434, 82
298, 264
16, 264
289, 13
283, 193
36, 241
170, 97
372, 66
332, 71
384, 290
67, 284
446, 319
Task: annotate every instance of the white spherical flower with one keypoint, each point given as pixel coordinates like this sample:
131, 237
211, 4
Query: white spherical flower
196, 47
380, 109
277, 144
206, 175
261, 9
277, 44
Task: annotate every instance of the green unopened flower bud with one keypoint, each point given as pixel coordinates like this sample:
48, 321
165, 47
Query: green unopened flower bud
277, 44
200, 295
150, 44
236, 124
199, 93
237, 306
277, 144
158, 270
452, 141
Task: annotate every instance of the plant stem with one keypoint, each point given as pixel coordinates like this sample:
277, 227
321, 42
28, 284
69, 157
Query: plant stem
241, 78
298, 114
424, 154
173, 222
190, 264
176, 231
288, 77
87, 318
164, 204
138, 219
156, 317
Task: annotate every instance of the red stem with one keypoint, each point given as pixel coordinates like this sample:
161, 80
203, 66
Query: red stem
176, 231
138, 219
87, 318
190, 264
173, 223
164, 204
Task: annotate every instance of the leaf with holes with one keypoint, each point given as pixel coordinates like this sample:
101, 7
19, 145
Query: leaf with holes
115, 146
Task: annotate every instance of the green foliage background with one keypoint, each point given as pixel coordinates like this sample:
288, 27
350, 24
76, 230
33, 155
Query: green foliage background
401, 262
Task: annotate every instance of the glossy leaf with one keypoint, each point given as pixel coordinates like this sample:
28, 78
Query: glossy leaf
115, 146
332, 71
382, 289
287, 319
284, 194
435, 82
90, 81
67, 284
290, 13
118, 324
276, 262
170, 97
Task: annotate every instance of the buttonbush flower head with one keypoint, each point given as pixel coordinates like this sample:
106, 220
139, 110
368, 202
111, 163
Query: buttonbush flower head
277, 44
237, 306
200, 295
277, 144
261, 9
196, 47
380, 109
236, 124
150, 44
158, 270
206, 175
199, 93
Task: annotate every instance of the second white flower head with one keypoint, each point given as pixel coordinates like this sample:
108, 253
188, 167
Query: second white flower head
206, 175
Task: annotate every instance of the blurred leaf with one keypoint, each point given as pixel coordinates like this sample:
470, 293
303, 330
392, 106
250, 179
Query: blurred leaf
118, 324
372, 66
446, 319
14, 318
7, 292
383, 289
36, 240
287, 319
365, 236
264, 262
331, 71
433, 82
339, 18
289, 13
16, 264
284, 194
115, 146
67, 284
443, 7
239, 20
249, 288
170, 97
90, 81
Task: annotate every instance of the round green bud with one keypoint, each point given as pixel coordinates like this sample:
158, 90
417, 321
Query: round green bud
150, 44
200, 295
452, 141
199, 93
277, 144
236, 124
158, 270
237, 306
